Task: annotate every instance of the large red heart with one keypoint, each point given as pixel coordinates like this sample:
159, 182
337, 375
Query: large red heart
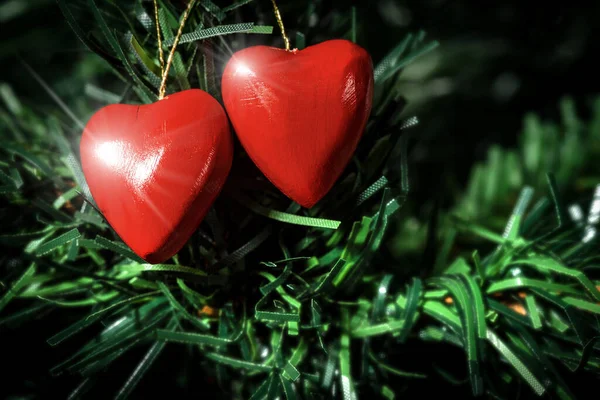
154, 170
300, 114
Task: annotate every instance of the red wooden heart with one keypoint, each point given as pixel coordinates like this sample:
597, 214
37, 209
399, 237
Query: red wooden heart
300, 114
154, 170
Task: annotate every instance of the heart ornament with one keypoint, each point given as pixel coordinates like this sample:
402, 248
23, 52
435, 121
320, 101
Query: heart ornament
154, 170
300, 114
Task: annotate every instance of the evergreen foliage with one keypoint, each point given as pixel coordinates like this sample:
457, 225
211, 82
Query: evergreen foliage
268, 300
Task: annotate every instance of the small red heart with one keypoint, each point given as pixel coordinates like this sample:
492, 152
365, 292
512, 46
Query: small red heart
154, 170
300, 114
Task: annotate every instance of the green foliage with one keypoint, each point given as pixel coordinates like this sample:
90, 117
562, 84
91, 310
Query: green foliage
296, 303
567, 149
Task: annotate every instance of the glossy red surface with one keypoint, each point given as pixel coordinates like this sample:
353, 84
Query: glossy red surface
300, 114
154, 170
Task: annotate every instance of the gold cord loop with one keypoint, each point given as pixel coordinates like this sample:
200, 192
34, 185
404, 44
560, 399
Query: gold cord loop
160, 48
280, 23
163, 83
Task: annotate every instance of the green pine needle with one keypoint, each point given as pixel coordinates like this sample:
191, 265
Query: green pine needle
300, 303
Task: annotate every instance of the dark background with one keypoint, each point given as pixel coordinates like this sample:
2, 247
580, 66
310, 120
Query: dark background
496, 62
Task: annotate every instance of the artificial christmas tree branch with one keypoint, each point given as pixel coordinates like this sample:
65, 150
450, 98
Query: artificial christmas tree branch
275, 301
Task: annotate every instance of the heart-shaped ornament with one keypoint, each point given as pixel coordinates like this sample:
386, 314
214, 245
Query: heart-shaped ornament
154, 170
300, 114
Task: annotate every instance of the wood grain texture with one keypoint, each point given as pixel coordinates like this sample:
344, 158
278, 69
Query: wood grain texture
154, 170
300, 114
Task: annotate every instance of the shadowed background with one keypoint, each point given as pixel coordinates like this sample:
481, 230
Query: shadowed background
495, 63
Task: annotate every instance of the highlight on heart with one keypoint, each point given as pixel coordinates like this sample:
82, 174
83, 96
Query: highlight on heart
154, 170
300, 114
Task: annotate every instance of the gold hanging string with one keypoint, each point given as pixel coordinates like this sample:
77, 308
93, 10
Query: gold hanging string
163, 83
280, 23
160, 48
